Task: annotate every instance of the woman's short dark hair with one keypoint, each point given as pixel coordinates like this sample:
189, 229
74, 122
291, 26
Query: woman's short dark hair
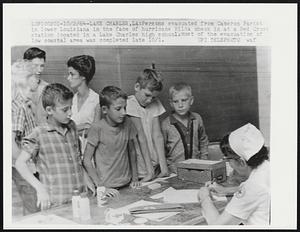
84, 64
258, 158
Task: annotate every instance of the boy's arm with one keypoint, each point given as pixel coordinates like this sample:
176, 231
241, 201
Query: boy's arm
144, 147
87, 162
43, 197
15, 147
97, 114
133, 162
158, 141
203, 140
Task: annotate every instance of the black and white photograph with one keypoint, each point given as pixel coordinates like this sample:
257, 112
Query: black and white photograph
129, 121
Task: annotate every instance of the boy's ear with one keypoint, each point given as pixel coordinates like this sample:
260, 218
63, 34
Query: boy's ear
137, 87
49, 110
104, 109
192, 100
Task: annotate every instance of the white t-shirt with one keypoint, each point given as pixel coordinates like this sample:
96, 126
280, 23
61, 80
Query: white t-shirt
146, 115
87, 112
252, 202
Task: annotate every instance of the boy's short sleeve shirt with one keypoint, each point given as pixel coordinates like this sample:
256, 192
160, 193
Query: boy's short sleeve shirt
57, 158
146, 115
112, 158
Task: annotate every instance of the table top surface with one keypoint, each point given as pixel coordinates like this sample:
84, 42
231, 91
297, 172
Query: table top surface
189, 216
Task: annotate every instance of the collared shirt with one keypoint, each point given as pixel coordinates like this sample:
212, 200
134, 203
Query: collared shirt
252, 201
146, 114
183, 142
23, 120
111, 156
58, 159
86, 113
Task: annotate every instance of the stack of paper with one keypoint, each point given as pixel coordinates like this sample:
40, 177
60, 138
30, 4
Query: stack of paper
172, 195
150, 216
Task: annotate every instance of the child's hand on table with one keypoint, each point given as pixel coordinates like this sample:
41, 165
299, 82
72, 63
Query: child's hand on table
164, 173
111, 192
135, 184
43, 197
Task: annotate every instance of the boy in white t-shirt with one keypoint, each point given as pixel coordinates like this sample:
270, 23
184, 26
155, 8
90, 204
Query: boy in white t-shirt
144, 109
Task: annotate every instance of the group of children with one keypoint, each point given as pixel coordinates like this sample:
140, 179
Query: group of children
128, 145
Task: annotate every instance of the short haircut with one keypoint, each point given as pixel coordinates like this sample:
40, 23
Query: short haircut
149, 78
253, 162
179, 87
83, 64
55, 92
34, 52
109, 94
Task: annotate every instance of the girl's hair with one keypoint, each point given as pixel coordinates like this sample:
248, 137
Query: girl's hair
34, 52
83, 64
151, 79
253, 162
109, 94
54, 93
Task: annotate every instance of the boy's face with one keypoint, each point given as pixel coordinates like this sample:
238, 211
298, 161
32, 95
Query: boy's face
144, 96
40, 65
116, 112
181, 102
62, 112
74, 78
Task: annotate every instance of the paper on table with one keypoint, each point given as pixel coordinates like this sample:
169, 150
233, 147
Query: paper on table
169, 190
162, 179
149, 216
45, 219
171, 195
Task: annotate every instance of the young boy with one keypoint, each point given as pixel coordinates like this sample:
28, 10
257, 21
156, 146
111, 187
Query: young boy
55, 147
111, 140
23, 122
38, 57
183, 130
144, 110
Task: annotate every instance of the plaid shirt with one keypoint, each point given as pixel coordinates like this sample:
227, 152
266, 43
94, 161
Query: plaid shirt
58, 158
23, 120
22, 116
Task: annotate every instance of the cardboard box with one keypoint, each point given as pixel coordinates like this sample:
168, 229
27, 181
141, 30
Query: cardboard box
201, 171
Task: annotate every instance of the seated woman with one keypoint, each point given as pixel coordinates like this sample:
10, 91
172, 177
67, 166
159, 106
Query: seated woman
244, 149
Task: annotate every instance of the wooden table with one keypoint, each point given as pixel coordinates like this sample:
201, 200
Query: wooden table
190, 216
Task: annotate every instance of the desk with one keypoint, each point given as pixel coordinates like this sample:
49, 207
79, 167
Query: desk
190, 216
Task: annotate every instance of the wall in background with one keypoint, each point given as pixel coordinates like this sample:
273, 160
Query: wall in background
224, 79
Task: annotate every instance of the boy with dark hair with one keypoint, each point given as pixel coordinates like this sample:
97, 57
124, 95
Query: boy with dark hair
112, 142
183, 130
55, 147
38, 57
